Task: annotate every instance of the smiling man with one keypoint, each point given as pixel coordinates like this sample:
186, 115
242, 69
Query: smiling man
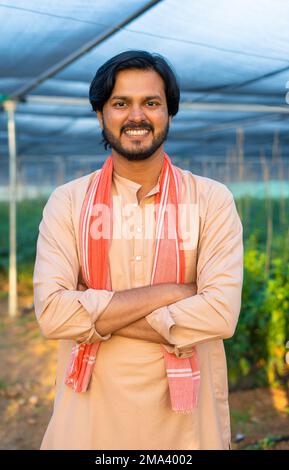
148, 125
138, 275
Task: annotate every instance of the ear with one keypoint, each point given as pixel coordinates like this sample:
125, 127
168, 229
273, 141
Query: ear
99, 117
170, 119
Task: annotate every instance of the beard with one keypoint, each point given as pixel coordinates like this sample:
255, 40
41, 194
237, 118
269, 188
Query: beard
142, 153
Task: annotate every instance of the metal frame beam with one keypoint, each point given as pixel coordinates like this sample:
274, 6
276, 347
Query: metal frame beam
227, 107
10, 107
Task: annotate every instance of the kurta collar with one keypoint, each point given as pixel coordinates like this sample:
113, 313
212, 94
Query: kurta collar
133, 185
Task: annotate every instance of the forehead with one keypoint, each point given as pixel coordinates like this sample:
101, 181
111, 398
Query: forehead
135, 82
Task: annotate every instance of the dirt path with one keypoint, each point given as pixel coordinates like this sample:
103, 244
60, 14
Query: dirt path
28, 366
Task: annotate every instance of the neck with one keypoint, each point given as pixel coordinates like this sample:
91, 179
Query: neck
144, 172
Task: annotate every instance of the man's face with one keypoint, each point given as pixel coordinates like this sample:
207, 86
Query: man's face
135, 118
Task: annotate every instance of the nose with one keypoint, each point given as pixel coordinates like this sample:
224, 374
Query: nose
136, 114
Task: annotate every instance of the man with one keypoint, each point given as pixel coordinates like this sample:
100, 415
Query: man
140, 304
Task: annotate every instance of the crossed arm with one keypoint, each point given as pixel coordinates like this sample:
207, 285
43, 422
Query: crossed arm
66, 309
141, 329
171, 314
125, 314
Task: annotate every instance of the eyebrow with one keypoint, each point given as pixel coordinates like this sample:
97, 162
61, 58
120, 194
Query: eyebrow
117, 97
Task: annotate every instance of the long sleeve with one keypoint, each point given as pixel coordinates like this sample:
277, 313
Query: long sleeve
62, 311
213, 312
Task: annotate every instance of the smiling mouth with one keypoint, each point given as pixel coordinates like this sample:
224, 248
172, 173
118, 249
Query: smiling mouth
136, 132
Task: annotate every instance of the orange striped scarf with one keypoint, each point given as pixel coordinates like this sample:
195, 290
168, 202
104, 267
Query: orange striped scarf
169, 266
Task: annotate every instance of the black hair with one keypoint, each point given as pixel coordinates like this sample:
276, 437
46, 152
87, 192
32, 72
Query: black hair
103, 83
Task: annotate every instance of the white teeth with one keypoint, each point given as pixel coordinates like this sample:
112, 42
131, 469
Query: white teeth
137, 132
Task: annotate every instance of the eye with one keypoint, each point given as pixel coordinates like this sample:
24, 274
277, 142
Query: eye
152, 103
119, 104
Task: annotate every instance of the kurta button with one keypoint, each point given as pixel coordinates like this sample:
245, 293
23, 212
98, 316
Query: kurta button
138, 258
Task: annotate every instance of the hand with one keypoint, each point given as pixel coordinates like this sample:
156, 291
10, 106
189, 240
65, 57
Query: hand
81, 287
184, 354
80, 283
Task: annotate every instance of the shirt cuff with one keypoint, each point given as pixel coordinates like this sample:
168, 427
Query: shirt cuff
161, 321
94, 336
178, 351
95, 302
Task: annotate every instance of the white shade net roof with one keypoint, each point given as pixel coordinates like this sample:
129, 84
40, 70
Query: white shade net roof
231, 58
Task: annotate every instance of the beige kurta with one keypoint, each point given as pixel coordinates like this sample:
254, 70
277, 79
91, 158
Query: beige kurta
127, 405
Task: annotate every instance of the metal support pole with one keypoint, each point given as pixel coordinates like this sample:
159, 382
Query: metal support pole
10, 107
